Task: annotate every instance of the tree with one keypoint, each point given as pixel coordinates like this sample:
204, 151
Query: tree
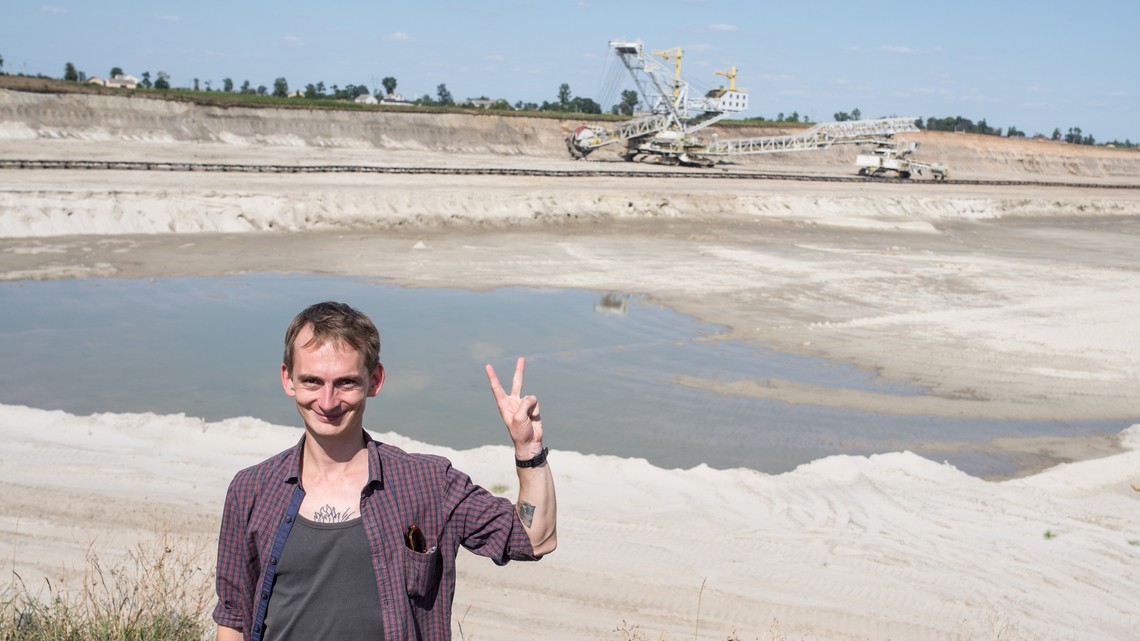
1, 64
311, 91
1014, 132
262, 90
564, 97
856, 114
116, 71
280, 88
163, 81
1074, 136
228, 85
1056, 135
195, 84
628, 104
69, 73
246, 89
584, 106
146, 83
389, 85
444, 95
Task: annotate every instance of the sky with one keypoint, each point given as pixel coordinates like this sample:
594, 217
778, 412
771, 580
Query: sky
1038, 66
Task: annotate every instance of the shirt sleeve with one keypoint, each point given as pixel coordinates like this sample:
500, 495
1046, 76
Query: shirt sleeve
232, 580
488, 524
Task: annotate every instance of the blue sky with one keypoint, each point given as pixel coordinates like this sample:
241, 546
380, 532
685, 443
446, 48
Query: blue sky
1038, 66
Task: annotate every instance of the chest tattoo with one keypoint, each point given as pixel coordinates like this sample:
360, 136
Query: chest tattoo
329, 514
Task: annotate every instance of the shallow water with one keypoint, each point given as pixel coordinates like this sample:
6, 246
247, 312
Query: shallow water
600, 363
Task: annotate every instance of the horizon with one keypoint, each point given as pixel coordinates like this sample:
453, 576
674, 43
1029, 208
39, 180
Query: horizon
1035, 68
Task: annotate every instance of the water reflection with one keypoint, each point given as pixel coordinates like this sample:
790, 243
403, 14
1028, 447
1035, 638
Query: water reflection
602, 364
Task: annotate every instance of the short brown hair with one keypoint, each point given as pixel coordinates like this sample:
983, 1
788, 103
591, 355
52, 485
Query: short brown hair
335, 322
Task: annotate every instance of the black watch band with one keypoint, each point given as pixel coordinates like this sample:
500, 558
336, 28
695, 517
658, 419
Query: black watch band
538, 459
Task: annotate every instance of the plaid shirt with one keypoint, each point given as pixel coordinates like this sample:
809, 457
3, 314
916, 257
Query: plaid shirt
416, 588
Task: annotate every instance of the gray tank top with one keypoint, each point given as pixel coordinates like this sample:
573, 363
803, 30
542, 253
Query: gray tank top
325, 587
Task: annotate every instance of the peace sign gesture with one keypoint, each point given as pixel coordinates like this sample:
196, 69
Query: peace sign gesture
520, 413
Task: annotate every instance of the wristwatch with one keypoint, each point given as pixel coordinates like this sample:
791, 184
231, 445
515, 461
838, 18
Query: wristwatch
538, 459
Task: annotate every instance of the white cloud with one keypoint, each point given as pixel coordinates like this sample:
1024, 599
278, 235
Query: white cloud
853, 49
896, 50
167, 18
720, 26
293, 41
47, 8
977, 97
399, 36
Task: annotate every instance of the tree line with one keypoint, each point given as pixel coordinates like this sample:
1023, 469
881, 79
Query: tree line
1073, 136
566, 102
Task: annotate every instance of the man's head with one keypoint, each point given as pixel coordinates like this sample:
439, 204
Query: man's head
331, 367
337, 323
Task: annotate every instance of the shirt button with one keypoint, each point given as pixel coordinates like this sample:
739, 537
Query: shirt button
289, 519
273, 561
264, 595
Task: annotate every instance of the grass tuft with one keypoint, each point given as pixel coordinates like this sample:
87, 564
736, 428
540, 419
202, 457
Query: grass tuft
161, 591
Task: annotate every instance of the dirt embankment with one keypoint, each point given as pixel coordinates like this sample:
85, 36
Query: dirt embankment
107, 118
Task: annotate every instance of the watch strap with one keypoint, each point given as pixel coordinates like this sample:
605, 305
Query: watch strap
538, 459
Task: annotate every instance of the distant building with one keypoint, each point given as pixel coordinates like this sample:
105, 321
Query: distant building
394, 99
116, 82
480, 103
366, 99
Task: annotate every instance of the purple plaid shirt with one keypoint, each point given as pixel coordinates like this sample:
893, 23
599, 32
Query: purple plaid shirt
416, 588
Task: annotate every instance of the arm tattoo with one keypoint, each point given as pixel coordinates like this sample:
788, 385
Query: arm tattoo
328, 514
526, 513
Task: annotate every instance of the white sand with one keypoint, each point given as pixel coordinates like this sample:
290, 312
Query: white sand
888, 547
1001, 302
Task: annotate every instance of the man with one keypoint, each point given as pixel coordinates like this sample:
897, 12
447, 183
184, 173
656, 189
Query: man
341, 537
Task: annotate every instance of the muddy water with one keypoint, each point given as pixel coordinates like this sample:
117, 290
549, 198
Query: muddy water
601, 363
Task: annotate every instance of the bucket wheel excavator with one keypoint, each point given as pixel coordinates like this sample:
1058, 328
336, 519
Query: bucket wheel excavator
667, 132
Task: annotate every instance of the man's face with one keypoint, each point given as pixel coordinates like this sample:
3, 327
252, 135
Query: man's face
330, 384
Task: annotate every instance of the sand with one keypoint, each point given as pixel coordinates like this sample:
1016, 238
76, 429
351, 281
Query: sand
1000, 301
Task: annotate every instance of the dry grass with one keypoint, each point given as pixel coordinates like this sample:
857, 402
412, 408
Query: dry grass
162, 590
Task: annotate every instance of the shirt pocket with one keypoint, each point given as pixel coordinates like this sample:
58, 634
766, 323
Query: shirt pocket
422, 573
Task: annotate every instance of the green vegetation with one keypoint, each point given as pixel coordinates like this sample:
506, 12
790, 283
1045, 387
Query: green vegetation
1050, 535
162, 592
317, 95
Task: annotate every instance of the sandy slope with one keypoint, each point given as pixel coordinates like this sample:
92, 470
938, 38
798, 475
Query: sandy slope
1000, 301
888, 547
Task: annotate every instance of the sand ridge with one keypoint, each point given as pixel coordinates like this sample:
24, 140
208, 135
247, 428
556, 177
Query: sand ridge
999, 302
